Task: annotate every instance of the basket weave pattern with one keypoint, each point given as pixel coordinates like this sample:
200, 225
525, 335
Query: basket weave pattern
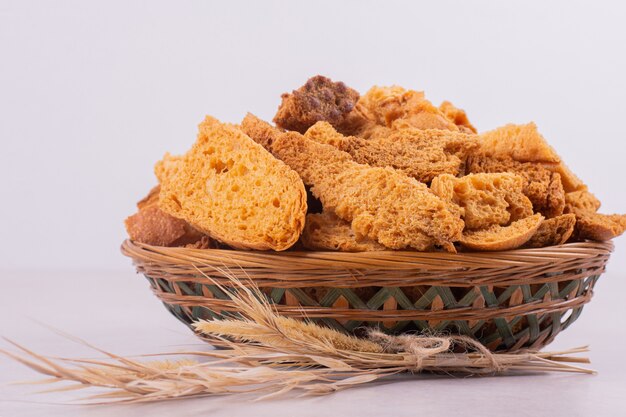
506, 300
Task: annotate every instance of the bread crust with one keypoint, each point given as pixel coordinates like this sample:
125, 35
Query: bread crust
485, 199
381, 203
318, 99
326, 231
496, 237
232, 189
554, 231
421, 154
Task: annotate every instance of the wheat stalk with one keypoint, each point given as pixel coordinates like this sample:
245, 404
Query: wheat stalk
265, 355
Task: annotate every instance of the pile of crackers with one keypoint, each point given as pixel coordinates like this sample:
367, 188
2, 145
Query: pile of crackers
384, 171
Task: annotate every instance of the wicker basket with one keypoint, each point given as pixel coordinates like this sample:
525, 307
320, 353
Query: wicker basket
507, 300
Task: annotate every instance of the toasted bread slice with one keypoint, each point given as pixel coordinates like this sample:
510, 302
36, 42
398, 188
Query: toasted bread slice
381, 203
502, 237
570, 181
554, 231
151, 199
457, 116
399, 108
312, 171
543, 187
485, 199
153, 226
580, 202
232, 189
600, 227
324, 132
260, 131
326, 231
523, 143
167, 167
590, 224
319, 99
421, 154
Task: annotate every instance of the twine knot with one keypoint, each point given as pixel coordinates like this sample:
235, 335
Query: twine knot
422, 347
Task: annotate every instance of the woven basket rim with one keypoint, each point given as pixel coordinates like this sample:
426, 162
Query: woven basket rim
383, 259
388, 268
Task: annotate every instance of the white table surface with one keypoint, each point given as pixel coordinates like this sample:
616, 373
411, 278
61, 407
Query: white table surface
116, 311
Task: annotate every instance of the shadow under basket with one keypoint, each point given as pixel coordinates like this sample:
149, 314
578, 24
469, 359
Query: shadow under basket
507, 300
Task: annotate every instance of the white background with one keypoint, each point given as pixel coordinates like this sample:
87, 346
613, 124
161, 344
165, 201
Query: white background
93, 93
